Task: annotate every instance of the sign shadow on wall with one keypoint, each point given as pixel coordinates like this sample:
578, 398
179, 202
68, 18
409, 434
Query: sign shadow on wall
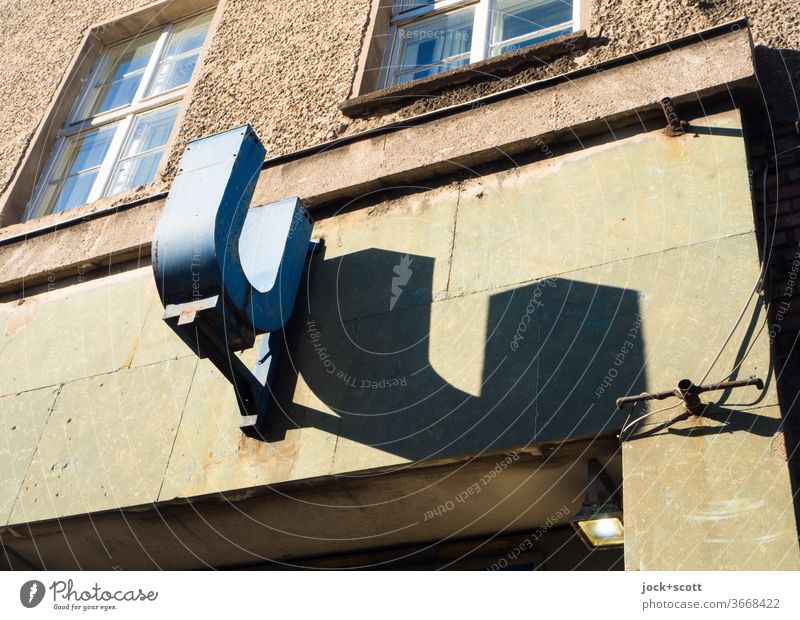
361, 362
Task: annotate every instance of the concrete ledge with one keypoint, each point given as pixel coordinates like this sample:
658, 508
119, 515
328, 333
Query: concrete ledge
491, 131
578, 104
388, 99
41, 544
115, 238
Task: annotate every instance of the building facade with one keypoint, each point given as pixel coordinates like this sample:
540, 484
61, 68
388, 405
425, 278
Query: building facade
527, 209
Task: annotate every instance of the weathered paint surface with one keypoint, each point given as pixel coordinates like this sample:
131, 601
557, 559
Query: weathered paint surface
106, 443
49, 341
22, 419
710, 493
493, 313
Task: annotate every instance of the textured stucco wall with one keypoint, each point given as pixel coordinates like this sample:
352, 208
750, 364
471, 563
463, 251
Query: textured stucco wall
631, 24
284, 66
38, 39
621, 26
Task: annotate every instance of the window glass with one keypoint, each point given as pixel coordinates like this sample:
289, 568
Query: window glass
452, 34
519, 44
143, 149
516, 23
409, 76
76, 170
119, 76
406, 5
180, 57
435, 44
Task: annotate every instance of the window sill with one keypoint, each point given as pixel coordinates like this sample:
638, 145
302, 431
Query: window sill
102, 207
390, 99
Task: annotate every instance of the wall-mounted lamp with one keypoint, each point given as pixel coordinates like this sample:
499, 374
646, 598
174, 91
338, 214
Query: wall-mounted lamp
598, 523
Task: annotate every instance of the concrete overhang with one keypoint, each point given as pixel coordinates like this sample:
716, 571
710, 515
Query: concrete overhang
380, 508
577, 104
596, 99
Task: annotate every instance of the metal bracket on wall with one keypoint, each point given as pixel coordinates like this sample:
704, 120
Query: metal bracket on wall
689, 393
675, 126
226, 272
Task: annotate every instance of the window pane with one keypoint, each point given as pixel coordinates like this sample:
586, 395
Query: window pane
517, 18
121, 73
134, 172
116, 94
150, 131
526, 41
73, 175
143, 150
180, 57
431, 70
188, 36
75, 191
406, 5
435, 40
173, 73
84, 151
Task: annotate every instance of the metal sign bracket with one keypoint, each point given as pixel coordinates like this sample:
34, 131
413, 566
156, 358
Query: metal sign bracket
227, 272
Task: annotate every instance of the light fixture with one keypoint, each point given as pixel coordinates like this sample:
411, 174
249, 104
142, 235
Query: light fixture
598, 523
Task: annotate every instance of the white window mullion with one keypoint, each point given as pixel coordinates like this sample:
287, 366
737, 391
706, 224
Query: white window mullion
137, 108
480, 30
576, 15
110, 161
152, 65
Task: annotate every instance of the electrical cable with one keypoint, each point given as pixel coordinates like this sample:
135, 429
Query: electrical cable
627, 419
758, 287
642, 417
759, 284
750, 348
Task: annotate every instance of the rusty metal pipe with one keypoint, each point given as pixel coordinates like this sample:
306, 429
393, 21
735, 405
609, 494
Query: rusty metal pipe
674, 125
733, 384
637, 398
689, 393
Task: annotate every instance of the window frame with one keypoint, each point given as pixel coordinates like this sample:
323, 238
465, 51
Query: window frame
124, 115
403, 16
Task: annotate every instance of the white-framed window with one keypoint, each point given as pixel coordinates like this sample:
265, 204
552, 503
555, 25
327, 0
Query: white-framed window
115, 135
430, 36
